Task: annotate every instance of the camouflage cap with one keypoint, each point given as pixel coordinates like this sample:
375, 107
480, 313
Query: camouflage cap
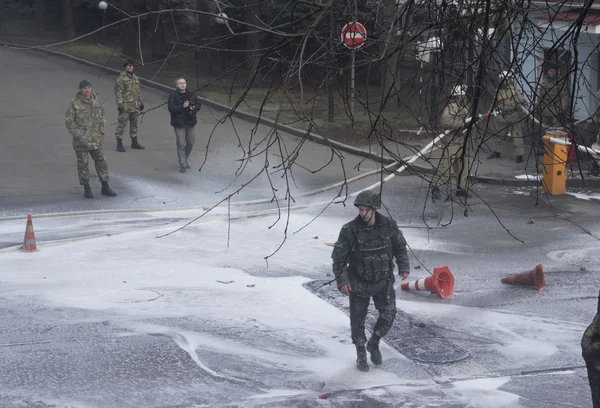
84, 83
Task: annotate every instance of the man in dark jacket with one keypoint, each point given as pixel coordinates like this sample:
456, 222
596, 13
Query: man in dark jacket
183, 106
363, 268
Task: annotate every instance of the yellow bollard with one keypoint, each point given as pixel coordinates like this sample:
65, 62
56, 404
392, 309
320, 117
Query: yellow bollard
554, 176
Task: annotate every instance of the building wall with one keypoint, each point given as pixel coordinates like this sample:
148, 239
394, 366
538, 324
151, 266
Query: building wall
531, 53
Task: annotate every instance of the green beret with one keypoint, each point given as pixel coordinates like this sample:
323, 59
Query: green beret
84, 83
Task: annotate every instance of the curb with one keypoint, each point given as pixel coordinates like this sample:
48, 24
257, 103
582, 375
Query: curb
240, 114
591, 183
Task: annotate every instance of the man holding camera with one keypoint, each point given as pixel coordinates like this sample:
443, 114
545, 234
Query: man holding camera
183, 107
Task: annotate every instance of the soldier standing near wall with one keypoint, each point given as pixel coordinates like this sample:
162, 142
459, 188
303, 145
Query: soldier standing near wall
129, 104
509, 101
364, 269
554, 97
85, 121
453, 119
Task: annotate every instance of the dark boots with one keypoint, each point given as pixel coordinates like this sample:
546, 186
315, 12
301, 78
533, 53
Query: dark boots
107, 191
361, 359
519, 159
436, 194
120, 147
135, 144
87, 191
373, 348
462, 192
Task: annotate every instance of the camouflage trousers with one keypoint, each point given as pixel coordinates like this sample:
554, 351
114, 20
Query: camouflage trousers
385, 303
83, 170
510, 124
452, 161
132, 118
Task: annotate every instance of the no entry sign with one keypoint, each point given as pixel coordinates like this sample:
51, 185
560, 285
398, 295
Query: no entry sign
354, 35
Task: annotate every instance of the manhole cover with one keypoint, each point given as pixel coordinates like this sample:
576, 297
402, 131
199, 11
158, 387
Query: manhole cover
410, 338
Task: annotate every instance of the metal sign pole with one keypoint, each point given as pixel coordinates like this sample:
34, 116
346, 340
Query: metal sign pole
353, 59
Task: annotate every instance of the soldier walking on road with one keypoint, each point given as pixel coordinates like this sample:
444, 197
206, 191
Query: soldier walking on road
129, 104
85, 121
509, 101
364, 269
184, 107
453, 119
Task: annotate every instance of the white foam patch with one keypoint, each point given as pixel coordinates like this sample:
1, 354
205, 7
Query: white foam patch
528, 177
585, 196
517, 337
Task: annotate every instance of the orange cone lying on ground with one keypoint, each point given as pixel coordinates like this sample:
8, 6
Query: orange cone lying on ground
29, 241
531, 278
441, 283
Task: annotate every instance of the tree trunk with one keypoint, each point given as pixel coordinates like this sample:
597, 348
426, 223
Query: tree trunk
68, 22
2, 18
157, 33
253, 40
39, 17
129, 35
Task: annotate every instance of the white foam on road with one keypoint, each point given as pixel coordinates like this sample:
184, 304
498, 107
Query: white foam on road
140, 277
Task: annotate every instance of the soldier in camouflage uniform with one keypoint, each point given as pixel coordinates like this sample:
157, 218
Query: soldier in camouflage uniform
453, 119
129, 104
555, 100
590, 350
85, 121
509, 102
363, 268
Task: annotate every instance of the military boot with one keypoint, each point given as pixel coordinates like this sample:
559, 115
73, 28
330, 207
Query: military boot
461, 192
87, 191
107, 191
361, 359
135, 144
373, 348
519, 159
120, 147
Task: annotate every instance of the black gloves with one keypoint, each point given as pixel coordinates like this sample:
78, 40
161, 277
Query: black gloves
120, 109
142, 107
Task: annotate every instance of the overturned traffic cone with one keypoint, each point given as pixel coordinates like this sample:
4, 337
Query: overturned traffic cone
531, 278
441, 283
29, 241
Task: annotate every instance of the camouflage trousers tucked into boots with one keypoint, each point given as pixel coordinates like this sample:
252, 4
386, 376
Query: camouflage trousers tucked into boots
123, 119
385, 303
83, 169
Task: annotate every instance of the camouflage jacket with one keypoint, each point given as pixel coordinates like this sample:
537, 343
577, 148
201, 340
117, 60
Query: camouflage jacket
509, 98
85, 120
554, 96
453, 119
363, 255
128, 93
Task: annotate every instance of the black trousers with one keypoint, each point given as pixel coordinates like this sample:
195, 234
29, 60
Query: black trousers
385, 303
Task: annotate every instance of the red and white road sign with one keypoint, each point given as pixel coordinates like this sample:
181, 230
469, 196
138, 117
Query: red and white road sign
354, 35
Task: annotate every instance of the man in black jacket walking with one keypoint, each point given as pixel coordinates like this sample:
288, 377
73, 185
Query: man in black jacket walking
183, 107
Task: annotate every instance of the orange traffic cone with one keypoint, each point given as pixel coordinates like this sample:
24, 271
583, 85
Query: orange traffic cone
29, 241
531, 278
441, 283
